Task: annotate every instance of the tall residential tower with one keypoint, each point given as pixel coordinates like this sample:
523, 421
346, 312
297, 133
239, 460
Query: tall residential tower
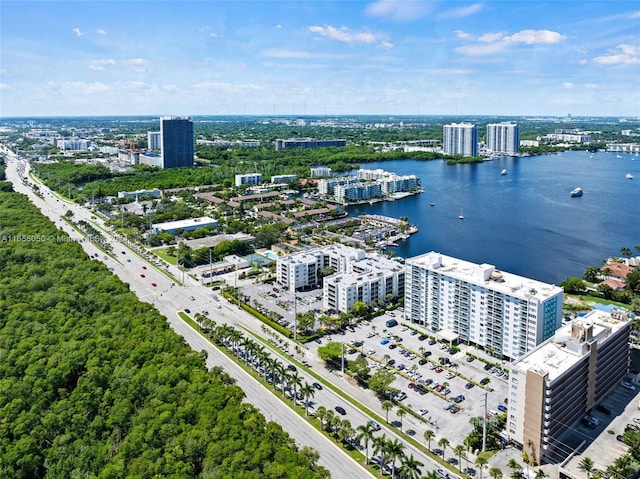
503, 138
460, 139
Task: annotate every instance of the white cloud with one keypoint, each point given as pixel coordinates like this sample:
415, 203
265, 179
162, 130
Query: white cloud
462, 12
100, 31
622, 55
283, 53
343, 34
463, 35
78, 88
4, 86
583, 61
531, 37
136, 65
491, 43
398, 10
214, 35
99, 65
226, 88
77, 32
567, 85
491, 37
591, 86
481, 49
385, 45
278, 26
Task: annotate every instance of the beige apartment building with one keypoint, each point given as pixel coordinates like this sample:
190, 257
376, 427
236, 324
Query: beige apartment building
553, 386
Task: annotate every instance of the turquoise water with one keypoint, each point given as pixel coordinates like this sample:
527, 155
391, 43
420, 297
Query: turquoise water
524, 222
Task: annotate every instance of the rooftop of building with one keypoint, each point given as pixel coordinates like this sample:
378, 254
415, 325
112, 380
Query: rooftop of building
558, 354
486, 275
173, 225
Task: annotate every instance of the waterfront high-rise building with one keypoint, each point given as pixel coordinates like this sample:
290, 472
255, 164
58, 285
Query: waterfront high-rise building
506, 314
503, 138
460, 139
555, 385
176, 141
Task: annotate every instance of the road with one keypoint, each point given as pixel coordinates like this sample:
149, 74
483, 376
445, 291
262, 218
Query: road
171, 299
128, 263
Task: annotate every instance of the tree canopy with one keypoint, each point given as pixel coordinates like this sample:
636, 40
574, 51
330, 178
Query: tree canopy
95, 383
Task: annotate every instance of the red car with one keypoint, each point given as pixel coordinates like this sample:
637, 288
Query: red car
144, 267
411, 385
439, 370
154, 284
142, 275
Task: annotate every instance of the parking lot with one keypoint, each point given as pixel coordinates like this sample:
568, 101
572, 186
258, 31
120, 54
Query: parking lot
416, 360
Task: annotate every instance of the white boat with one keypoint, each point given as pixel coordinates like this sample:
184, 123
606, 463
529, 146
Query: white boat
433, 203
576, 192
460, 217
503, 172
629, 176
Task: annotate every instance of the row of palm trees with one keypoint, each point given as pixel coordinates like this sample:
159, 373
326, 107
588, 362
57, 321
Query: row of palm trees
388, 451
257, 357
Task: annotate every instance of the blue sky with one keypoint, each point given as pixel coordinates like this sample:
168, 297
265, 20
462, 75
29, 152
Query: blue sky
336, 58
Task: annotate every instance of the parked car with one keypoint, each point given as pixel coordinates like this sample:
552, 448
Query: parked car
502, 408
628, 385
469, 385
458, 399
422, 361
384, 341
423, 411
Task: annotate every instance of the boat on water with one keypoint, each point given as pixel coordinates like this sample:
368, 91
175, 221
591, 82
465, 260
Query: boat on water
460, 216
503, 172
629, 176
433, 203
576, 192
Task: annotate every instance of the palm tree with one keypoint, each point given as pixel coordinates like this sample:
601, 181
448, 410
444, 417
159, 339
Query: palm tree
328, 418
428, 436
460, 452
295, 380
586, 466
286, 377
321, 413
365, 434
280, 371
395, 450
307, 392
625, 252
637, 248
380, 447
481, 462
495, 473
443, 443
387, 406
514, 466
400, 413
410, 467
336, 423
346, 431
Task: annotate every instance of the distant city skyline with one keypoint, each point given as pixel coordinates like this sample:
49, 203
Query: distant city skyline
386, 57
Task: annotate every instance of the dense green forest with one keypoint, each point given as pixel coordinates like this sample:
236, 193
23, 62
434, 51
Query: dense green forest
94, 383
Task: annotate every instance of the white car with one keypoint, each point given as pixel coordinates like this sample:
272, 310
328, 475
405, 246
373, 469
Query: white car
423, 411
450, 375
371, 352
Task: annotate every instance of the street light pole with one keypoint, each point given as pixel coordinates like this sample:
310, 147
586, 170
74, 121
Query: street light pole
295, 315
